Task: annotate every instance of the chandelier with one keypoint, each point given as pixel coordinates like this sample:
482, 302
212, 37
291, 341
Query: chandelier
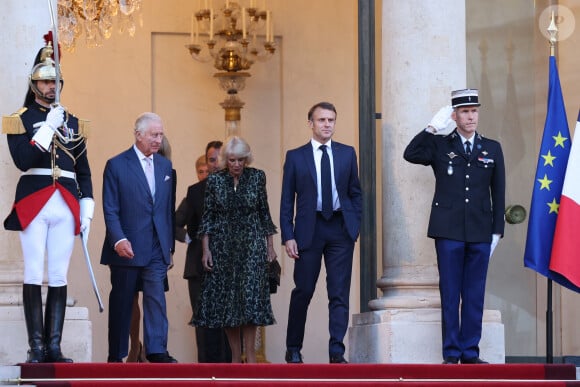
234, 37
94, 19
230, 35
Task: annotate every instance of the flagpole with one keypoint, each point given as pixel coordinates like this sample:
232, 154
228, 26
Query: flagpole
553, 32
549, 326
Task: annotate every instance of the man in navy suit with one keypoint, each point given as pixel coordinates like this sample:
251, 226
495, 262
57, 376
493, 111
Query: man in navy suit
328, 214
137, 206
467, 217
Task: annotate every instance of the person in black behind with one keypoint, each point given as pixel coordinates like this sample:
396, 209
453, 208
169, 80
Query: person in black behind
212, 343
467, 218
53, 203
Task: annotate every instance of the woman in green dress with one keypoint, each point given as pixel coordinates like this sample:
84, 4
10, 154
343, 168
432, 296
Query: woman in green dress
237, 236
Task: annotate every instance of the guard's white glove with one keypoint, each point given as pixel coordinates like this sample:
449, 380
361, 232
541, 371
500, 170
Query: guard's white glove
87, 211
494, 241
441, 120
55, 117
54, 120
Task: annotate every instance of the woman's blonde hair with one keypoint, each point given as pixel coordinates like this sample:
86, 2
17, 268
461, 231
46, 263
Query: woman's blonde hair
237, 147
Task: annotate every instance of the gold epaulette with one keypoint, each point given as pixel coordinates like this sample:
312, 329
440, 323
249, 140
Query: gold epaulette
84, 128
12, 124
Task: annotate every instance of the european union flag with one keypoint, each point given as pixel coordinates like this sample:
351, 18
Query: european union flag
552, 162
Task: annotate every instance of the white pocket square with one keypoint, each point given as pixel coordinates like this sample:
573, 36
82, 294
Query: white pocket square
167, 178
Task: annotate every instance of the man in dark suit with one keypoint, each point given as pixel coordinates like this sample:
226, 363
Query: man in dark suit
137, 206
321, 179
212, 343
467, 217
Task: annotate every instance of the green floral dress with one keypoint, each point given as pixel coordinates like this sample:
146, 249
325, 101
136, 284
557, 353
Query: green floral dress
236, 291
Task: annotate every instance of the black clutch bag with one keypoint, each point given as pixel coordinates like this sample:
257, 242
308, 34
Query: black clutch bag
274, 271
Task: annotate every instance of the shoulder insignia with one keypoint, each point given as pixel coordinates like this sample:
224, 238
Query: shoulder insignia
84, 128
12, 124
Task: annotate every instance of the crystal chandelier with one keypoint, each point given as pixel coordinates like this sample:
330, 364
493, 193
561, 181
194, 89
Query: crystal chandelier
94, 19
230, 35
234, 37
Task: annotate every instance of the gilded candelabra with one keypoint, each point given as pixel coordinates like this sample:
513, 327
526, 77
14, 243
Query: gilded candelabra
230, 37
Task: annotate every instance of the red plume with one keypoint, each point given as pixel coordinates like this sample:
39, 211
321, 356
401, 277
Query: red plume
48, 38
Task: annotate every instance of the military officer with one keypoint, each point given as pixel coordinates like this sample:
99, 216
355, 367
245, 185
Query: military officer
53, 202
467, 217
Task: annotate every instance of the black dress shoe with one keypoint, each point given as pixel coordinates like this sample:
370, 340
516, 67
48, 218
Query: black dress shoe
111, 359
473, 360
293, 357
451, 360
337, 359
160, 358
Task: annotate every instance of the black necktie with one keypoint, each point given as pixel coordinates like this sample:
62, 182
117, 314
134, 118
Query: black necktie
325, 184
468, 148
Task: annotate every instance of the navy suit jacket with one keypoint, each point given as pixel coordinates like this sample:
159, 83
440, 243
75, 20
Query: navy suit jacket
130, 211
299, 187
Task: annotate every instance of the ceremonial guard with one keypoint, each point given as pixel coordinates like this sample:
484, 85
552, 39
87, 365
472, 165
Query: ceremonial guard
467, 217
53, 202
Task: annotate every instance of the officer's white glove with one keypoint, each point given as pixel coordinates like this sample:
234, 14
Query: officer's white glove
87, 211
494, 241
441, 120
54, 120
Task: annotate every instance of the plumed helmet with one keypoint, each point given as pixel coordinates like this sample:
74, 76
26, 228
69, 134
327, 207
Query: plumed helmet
44, 69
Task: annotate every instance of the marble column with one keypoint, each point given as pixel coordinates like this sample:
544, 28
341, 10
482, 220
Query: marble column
423, 59
24, 22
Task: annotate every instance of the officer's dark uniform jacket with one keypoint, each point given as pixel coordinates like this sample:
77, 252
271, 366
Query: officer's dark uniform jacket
33, 191
468, 204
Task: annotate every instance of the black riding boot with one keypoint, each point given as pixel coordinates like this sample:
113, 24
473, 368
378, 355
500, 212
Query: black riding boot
32, 301
53, 323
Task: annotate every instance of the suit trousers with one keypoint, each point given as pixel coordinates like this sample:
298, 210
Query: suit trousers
462, 276
124, 281
332, 241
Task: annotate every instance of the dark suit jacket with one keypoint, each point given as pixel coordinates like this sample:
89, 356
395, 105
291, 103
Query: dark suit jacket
189, 214
469, 200
299, 187
130, 211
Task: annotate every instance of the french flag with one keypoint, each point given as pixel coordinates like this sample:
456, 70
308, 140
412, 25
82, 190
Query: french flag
565, 259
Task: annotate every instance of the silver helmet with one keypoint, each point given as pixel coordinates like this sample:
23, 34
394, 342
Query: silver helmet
44, 70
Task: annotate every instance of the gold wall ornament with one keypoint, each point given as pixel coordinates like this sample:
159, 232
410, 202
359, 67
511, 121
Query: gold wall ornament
94, 20
231, 37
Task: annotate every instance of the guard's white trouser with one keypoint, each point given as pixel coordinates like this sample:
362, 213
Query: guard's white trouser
51, 232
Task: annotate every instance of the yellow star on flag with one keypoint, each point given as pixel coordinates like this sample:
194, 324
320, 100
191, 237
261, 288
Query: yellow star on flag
545, 183
553, 206
548, 159
559, 140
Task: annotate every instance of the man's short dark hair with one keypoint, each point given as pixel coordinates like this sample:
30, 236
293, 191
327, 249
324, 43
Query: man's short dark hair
322, 105
213, 144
